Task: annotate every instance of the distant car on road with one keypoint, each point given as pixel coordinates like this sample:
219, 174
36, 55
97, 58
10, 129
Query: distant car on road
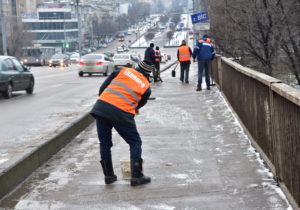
59, 60
95, 64
14, 76
75, 57
121, 60
121, 38
109, 54
120, 49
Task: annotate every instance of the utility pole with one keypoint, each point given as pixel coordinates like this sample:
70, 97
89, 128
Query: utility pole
3, 28
79, 26
65, 41
92, 33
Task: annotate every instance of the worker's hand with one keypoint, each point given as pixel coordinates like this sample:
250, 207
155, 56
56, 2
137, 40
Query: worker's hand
194, 60
137, 112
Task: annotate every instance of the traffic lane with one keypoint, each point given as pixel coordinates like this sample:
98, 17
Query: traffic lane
56, 101
112, 46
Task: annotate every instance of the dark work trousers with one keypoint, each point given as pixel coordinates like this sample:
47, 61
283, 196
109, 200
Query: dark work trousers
129, 134
156, 72
184, 71
203, 66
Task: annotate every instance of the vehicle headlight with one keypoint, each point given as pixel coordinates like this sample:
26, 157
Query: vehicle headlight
50, 61
25, 60
61, 61
37, 60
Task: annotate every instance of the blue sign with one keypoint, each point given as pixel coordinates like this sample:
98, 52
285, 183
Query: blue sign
199, 17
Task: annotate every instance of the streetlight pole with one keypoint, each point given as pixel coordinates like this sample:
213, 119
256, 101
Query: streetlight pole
79, 26
3, 28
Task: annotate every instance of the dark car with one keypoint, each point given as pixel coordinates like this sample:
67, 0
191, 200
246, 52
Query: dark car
59, 60
109, 54
14, 76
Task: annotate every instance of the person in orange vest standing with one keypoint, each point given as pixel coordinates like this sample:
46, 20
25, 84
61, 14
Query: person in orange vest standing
184, 54
121, 96
157, 57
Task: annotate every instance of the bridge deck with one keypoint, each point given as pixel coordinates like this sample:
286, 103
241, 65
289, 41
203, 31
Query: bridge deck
194, 149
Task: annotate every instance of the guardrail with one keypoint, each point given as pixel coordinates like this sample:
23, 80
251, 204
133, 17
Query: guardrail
270, 112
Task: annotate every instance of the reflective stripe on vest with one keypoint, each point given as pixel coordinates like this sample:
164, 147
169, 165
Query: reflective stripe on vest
184, 53
157, 55
126, 90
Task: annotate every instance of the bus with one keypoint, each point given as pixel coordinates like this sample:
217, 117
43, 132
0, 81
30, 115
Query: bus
37, 55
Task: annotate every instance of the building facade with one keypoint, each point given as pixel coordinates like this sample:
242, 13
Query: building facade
55, 25
26, 8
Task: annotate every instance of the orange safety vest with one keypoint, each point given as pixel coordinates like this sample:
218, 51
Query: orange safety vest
208, 40
157, 55
126, 90
184, 53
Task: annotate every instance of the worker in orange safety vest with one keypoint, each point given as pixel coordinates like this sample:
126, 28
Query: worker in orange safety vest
184, 54
121, 95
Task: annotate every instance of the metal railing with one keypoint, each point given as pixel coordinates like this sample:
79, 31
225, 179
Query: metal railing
270, 112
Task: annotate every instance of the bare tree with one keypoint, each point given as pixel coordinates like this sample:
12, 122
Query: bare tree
176, 18
170, 35
250, 30
288, 16
107, 26
149, 36
164, 19
138, 11
18, 38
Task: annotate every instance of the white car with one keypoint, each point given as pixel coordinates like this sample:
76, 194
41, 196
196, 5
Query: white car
74, 58
120, 49
95, 64
121, 60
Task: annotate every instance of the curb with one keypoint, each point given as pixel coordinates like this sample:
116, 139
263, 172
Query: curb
16, 170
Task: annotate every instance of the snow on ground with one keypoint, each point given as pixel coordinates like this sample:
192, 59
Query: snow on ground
141, 42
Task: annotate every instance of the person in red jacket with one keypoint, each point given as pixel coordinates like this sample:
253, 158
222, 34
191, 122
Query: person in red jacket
184, 54
157, 57
121, 95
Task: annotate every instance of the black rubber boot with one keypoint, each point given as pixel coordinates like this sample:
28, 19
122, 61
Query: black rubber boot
137, 176
199, 88
108, 171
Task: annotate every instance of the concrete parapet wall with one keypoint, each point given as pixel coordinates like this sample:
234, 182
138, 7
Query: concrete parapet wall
270, 112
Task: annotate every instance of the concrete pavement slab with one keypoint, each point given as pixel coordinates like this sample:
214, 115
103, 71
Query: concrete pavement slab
195, 151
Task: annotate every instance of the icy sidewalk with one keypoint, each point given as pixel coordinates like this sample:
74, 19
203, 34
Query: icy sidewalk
195, 152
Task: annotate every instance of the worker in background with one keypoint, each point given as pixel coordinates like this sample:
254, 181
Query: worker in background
121, 96
157, 60
149, 53
184, 54
206, 39
204, 52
